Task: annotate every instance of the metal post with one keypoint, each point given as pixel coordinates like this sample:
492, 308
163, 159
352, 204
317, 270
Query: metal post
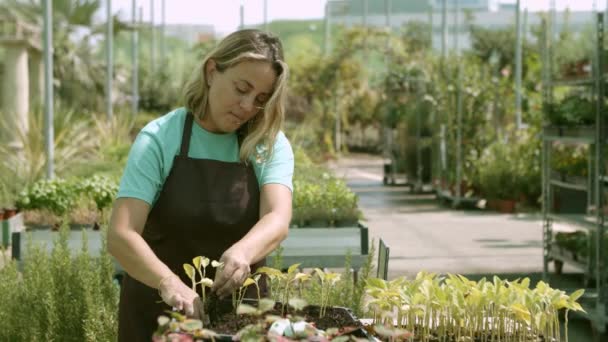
338, 123
242, 16
387, 14
443, 73
518, 67
327, 28
365, 52
599, 162
134, 61
387, 147
545, 149
444, 29
48, 88
152, 39
431, 12
553, 16
458, 108
162, 32
109, 59
266, 15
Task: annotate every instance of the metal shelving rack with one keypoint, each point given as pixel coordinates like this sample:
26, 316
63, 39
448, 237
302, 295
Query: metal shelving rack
594, 136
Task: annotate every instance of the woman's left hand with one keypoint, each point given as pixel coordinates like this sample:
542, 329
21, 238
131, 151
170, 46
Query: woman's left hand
232, 274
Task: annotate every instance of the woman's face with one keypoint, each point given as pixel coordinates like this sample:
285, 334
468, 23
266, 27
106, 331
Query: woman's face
237, 94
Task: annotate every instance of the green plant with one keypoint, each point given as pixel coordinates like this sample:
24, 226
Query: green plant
59, 296
328, 281
199, 265
456, 306
497, 176
281, 283
101, 189
57, 195
239, 294
576, 108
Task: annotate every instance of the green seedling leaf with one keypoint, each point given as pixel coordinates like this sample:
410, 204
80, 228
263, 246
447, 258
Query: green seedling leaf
301, 276
297, 303
189, 270
190, 325
245, 309
248, 281
197, 262
577, 307
269, 271
205, 262
377, 283
163, 320
525, 283
293, 268
577, 294
266, 304
521, 312
216, 263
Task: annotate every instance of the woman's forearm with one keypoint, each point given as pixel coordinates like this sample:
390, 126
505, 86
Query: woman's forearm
264, 237
136, 257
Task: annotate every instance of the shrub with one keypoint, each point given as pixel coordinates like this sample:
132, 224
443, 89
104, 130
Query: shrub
59, 296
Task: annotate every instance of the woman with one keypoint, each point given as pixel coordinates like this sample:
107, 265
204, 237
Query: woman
211, 179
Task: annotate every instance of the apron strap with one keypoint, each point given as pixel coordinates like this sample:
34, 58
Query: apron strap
186, 135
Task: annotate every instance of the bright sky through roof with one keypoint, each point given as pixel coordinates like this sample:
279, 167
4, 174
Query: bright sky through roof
224, 14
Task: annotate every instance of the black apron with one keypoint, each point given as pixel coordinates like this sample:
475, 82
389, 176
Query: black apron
204, 207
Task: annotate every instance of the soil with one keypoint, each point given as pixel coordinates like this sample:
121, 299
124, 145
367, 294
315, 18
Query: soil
225, 321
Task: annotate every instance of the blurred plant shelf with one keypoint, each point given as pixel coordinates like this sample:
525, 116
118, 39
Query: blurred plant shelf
11, 222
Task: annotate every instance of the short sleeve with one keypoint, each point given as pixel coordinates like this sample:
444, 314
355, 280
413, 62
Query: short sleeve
278, 169
142, 177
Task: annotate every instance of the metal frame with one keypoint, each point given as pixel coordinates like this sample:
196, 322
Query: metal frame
595, 138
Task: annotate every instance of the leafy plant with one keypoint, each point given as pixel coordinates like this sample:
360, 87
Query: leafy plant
57, 195
239, 294
59, 296
456, 306
281, 283
328, 281
101, 189
199, 265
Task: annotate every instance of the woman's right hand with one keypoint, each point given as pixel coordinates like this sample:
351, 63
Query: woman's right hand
177, 295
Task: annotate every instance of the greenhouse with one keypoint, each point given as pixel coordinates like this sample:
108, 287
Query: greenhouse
320, 170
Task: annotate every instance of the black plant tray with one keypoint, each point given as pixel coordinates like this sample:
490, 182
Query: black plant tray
226, 324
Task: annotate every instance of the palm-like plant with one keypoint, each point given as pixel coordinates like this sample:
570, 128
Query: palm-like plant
77, 70
73, 144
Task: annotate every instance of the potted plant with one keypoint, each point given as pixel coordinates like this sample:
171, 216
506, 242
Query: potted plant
498, 178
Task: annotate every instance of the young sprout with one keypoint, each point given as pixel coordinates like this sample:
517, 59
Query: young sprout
281, 282
239, 295
274, 277
328, 281
200, 265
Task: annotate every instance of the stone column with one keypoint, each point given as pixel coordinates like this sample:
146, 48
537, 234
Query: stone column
15, 92
36, 79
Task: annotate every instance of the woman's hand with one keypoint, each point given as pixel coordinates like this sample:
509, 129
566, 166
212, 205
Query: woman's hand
232, 274
176, 294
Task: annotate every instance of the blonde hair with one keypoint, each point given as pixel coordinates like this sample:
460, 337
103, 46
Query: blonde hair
237, 47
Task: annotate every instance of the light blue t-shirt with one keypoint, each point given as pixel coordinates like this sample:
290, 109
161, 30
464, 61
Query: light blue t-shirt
151, 156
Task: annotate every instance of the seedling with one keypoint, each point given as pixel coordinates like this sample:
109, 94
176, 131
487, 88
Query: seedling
200, 267
328, 281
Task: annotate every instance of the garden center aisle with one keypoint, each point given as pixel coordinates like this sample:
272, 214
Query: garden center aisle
423, 235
